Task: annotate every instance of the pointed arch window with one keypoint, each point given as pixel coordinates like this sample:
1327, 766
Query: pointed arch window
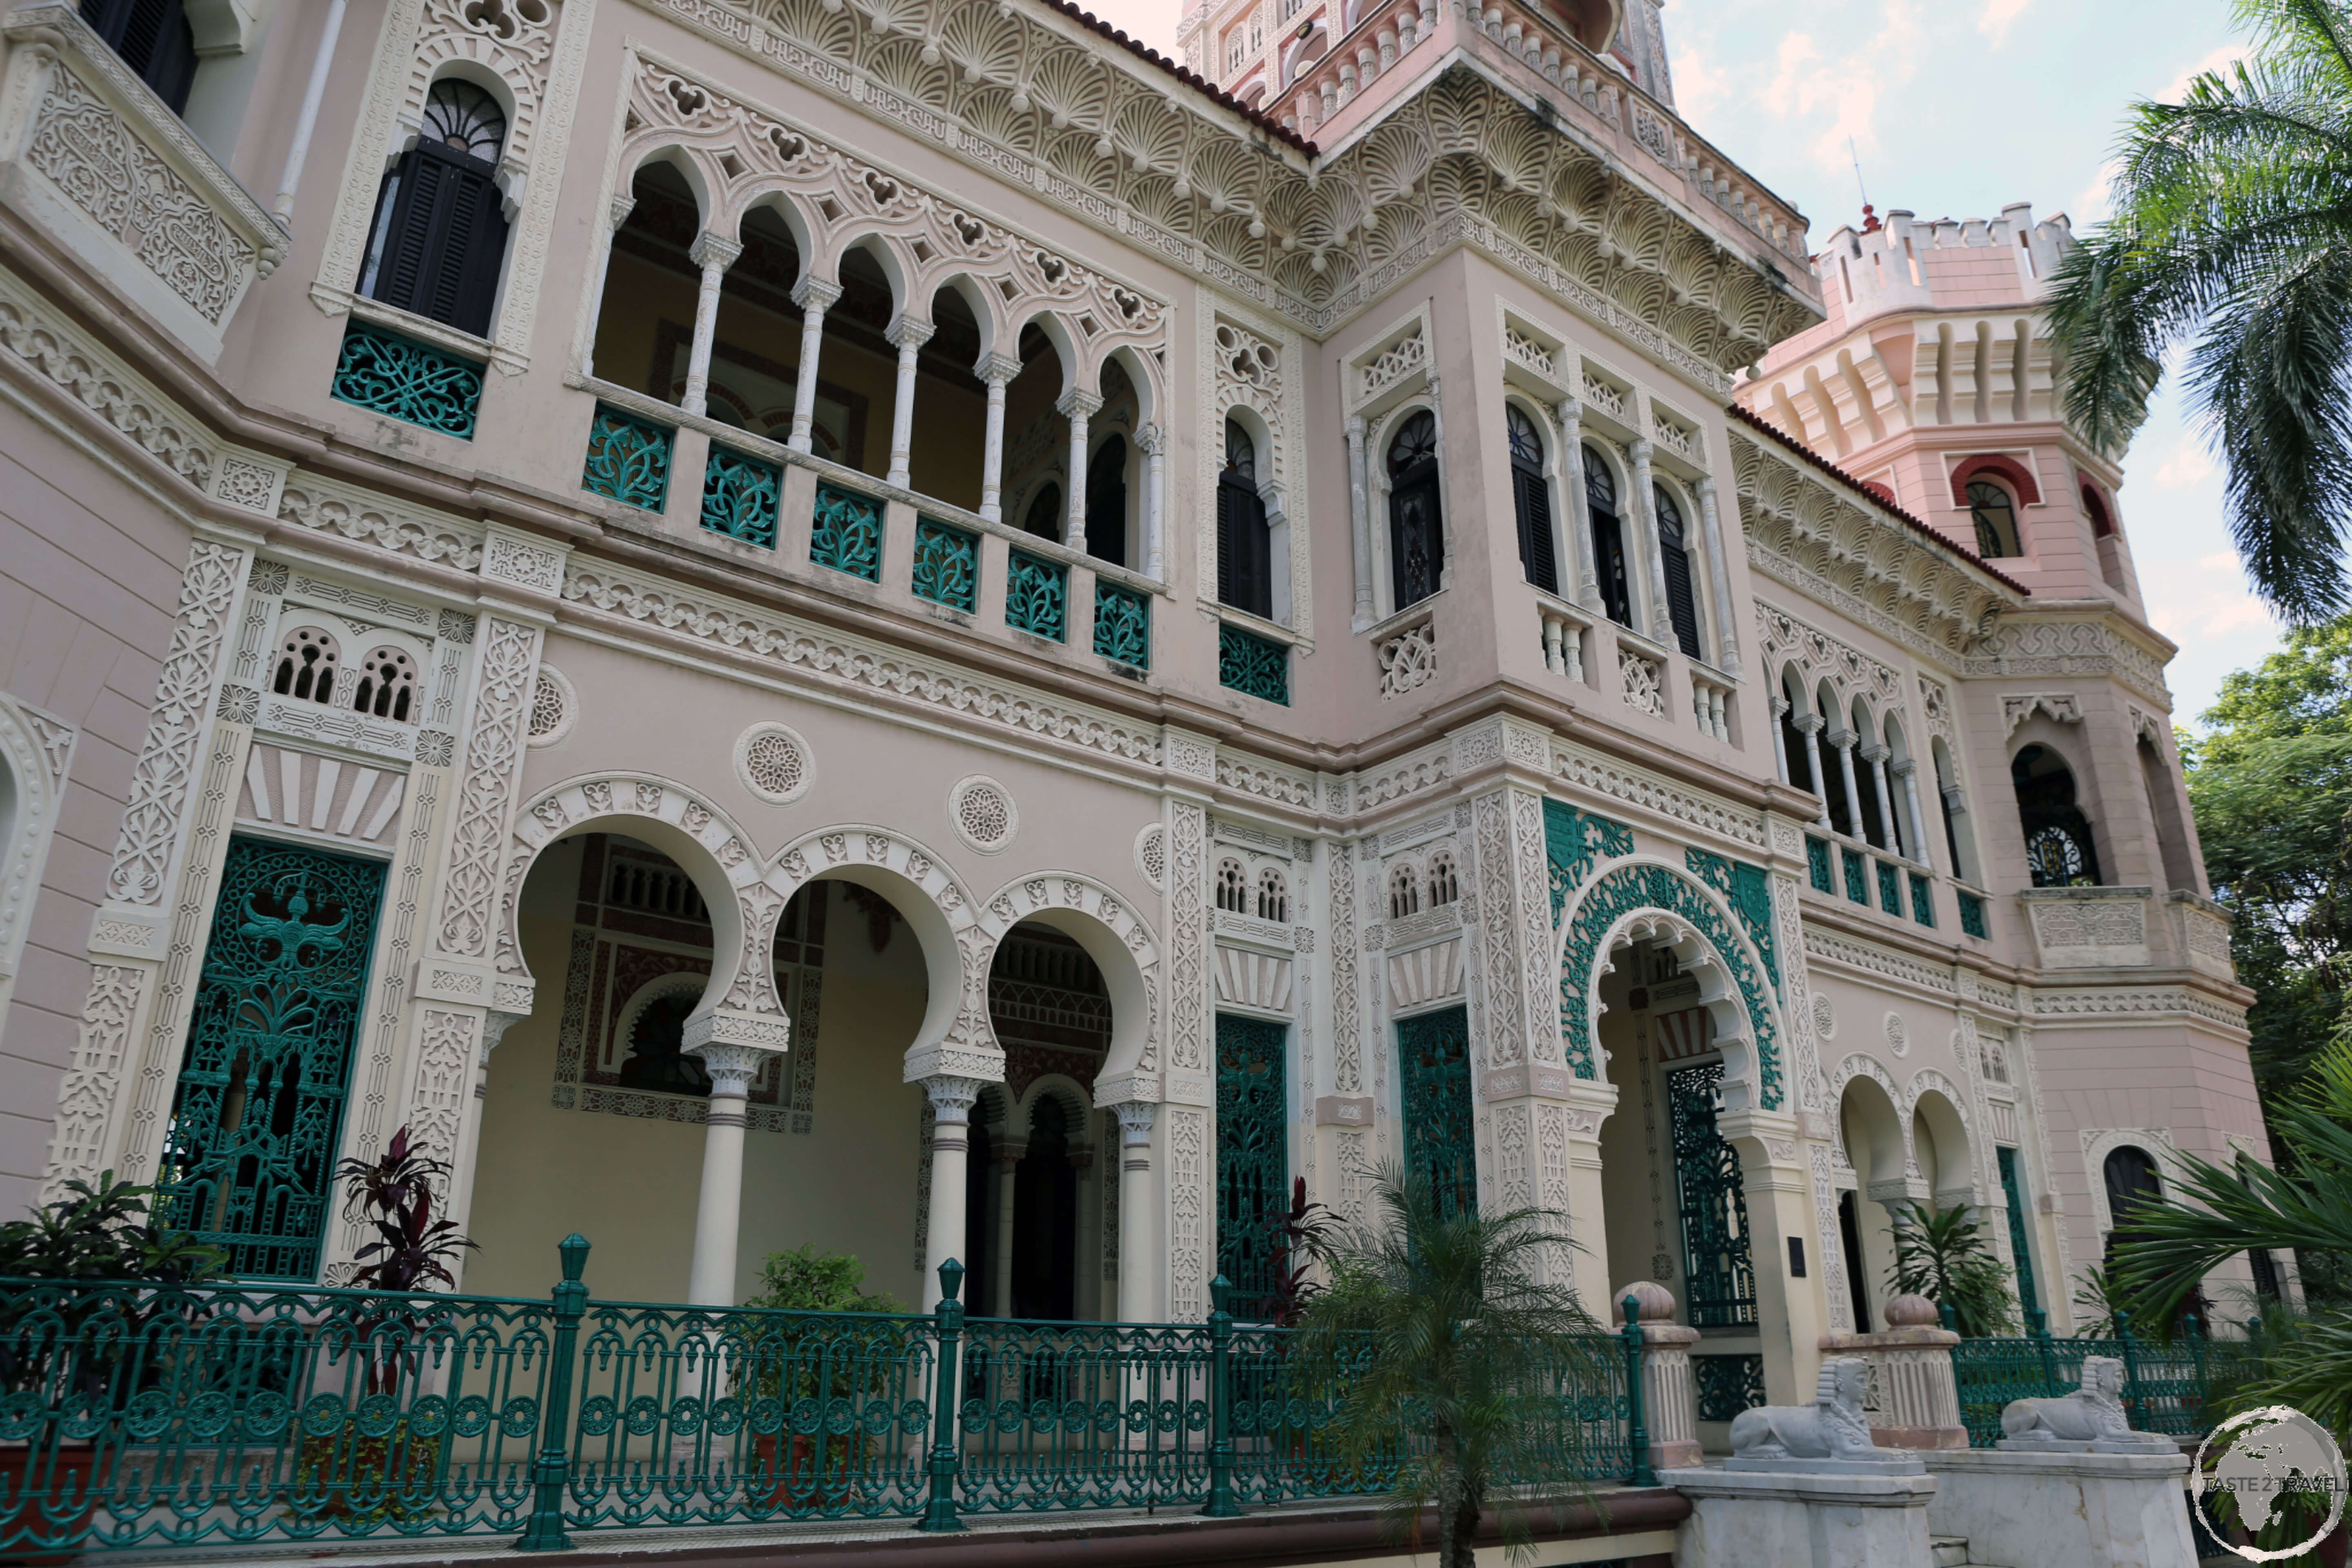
1532, 499
1273, 897
1233, 888
2058, 852
1107, 502
1608, 539
440, 234
2132, 1183
1244, 544
153, 40
1444, 885
1416, 525
1995, 515
1674, 551
387, 685
1404, 892
306, 665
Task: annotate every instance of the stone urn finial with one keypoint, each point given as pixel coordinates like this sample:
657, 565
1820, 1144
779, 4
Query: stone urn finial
1657, 1302
1910, 1311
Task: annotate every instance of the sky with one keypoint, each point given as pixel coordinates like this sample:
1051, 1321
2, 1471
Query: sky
1955, 110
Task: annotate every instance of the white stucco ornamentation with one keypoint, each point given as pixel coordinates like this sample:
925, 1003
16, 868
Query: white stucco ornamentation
775, 763
983, 814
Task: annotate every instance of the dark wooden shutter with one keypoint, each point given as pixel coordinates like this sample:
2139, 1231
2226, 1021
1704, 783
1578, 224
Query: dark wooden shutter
446, 240
1680, 604
1416, 536
1608, 566
1244, 552
151, 38
1531, 498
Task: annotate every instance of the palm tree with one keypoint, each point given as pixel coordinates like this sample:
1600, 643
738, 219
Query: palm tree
1946, 1255
1450, 1344
2232, 231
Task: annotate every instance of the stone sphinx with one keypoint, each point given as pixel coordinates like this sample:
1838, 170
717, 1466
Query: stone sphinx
2091, 1420
1831, 1435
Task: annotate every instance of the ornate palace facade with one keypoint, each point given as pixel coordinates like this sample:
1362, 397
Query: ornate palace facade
902, 626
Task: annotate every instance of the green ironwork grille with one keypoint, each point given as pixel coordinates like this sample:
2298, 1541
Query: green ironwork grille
1717, 1268
2168, 1387
1440, 1143
947, 566
1972, 920
738, 496
1748, 890
1817, 861
254, 1125
1573, 842
1857, 877
2021, 1248
1726, 1385
1890, 888
628, 459
846, 533
1036, 596
1253, 1155
388, 374
1122, 625
1253, 666
1923, 901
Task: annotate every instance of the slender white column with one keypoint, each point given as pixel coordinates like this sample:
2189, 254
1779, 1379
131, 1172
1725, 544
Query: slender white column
307, 121
814, 297
1154, 442
717, 1218
1360, 505
615, 215
1007, 1155
1907, 769
1139, 1232
1662, 616
1780, 739
1078, 407
1577, 526
1809, 726
714, 253
951, 1101
1876, 756
997, 372
1956, 808
1843, 741
908, 335
1719, 581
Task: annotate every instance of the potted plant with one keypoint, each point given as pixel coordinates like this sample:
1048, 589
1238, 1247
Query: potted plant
82, 1274
1300, 1241
787, 1361
391, 1475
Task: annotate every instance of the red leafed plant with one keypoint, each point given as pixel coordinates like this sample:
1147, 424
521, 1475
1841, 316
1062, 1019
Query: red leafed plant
393, 1194
1299, 1240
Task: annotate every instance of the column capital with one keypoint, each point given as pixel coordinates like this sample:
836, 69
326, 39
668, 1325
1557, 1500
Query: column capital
1704, 487
1568, 414
1136, 1118
996, 369
711, 249
1955, 803
1152, 439
813, 293
732, 1067
910, 332
1078, 404
1844, 739
1640, 451
738, 1026
1005, 1153
617, 211
1876, 751
1355, 428
1809, 723
1779, 705
952, 1098
1904, 767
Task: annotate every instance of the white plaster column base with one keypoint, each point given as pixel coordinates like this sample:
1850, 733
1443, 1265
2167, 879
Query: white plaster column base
2064, 1510
1796, 1520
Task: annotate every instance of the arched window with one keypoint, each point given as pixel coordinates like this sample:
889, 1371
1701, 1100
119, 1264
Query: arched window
152, 37
387, 685
1045, 516
1244, 547
1444, 886
440, 232
1996, 518
1532, 499
1958, 839
1800, 762
1608, 539
1682, 601
1416, 529
2095, 507
1107, 502
2132, 1183
1404, 892
306, 665
1233, 888
2058, 849
1273, 896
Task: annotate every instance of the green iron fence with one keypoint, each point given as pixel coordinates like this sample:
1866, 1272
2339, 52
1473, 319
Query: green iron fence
2167, 1385
137, 1416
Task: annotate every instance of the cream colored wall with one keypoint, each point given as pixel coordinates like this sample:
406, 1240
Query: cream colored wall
629, 1184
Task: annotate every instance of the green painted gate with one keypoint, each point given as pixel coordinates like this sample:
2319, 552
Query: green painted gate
1253, 1154
250, 1164
1718, 1269
2019, 1237
1441, 1142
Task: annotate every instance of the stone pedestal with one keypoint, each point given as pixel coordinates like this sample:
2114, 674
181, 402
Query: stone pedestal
1669, 1395
2064, 1510
1794, 1519
1913, 1402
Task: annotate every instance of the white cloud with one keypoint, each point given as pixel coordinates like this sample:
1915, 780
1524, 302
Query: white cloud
2220, 60
1998, 16
1700, 85
2188, 465
1840, 95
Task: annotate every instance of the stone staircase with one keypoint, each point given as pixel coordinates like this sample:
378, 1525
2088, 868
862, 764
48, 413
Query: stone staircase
1948, 1552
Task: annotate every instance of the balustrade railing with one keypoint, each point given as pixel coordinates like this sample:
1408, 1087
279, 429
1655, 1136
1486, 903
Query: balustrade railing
1563, 638
1865, 874
399, 378
133, 1416
1710, 700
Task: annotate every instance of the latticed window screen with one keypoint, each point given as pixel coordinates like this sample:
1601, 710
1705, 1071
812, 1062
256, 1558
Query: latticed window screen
259, 1115
1441, 1144
2021, 1246
1716, 1264
1253, 1162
